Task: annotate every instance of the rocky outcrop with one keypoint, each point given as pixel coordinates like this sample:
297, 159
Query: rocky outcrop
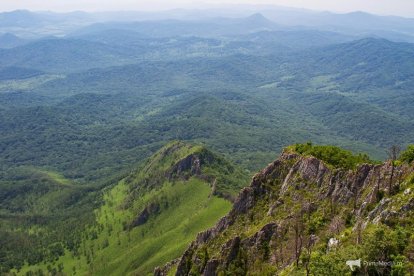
211, 268
309, 181
188, 166
408, 207
150, 210
163, 271
185, 263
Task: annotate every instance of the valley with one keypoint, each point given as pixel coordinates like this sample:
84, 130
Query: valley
184, 143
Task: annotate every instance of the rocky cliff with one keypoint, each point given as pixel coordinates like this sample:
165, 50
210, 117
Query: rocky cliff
302, 215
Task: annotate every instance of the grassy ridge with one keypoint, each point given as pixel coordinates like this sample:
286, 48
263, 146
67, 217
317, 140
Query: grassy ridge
114, 245
116, 251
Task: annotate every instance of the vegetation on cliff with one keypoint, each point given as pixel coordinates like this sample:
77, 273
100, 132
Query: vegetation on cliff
408, 155
301, 215
331, 155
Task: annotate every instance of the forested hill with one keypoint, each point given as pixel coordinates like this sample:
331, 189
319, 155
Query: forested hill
145, 219
109, 118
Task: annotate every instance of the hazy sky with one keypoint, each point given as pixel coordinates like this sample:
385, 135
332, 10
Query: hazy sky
385, 7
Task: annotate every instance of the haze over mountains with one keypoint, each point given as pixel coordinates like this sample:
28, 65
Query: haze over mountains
90, 102
34, 24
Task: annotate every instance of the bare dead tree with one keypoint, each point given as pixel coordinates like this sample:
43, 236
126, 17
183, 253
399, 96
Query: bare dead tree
356, 195
307, 208
393, 153
359, 232
336, 225
298, 228
332, 204
311, 241
378, 184
280, 237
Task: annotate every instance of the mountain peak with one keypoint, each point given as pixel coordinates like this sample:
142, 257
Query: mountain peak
299, 196
17, 15
180, 160
258, 18
20, 11
170, 155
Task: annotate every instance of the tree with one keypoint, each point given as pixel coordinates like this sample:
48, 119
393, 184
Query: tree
393, 153
408, 154
298, 228
380, 244
307, 258
377, 193
281, 232
336, 225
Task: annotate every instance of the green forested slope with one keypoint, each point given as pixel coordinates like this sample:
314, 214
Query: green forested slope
146, 219
264, 103
65, 137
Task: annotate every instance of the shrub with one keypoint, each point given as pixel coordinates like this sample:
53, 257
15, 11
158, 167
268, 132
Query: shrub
334, 156
408, 155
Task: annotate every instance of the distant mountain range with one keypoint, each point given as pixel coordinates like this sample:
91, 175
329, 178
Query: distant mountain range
205, 28
33, 24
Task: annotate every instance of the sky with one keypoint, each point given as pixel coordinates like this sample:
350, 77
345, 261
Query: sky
382, 7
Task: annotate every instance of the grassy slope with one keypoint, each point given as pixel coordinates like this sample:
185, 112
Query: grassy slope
110, 247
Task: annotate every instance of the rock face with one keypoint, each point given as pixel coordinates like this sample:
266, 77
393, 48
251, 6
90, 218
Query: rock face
211, 268
190, 164
151, 210
279, 197
161, 271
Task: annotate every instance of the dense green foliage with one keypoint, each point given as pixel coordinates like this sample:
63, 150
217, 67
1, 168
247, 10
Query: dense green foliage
380, 244
408, 154
37, 207
77, 114
334, 156
180, 205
